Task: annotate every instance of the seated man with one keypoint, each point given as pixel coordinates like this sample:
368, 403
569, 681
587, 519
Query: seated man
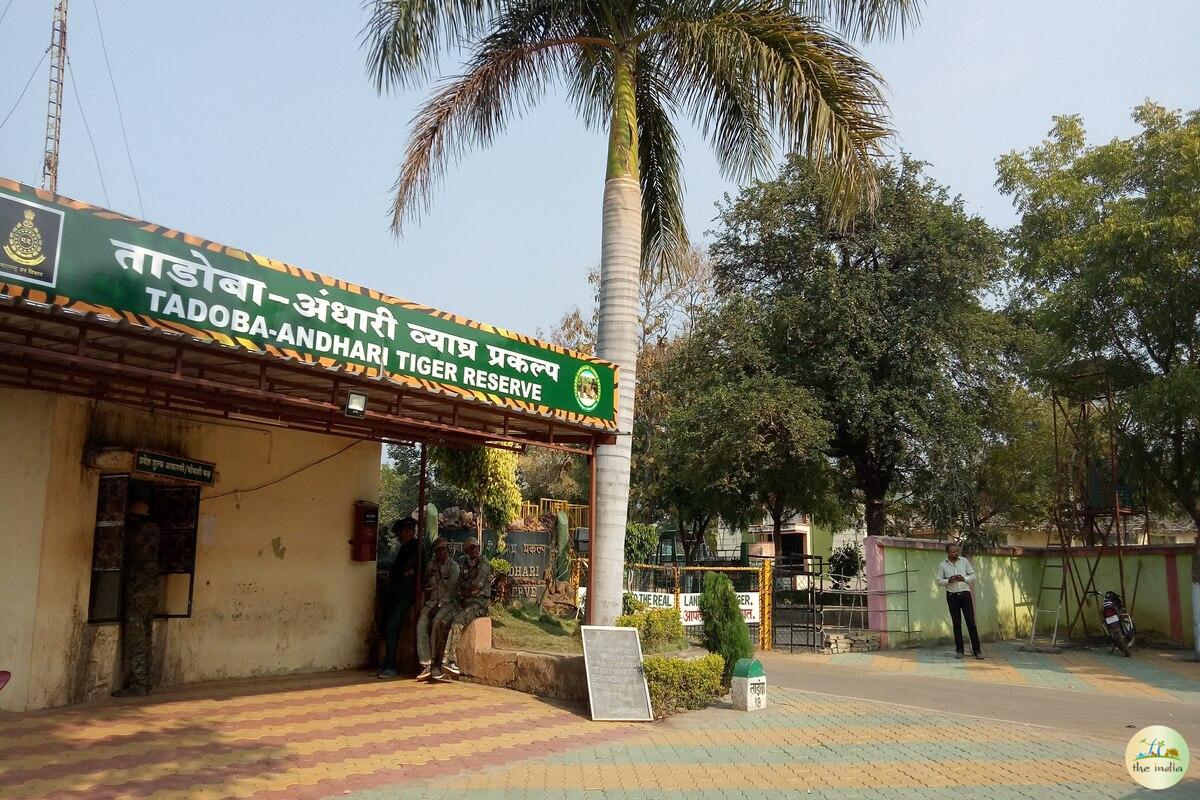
441, 576
471, 599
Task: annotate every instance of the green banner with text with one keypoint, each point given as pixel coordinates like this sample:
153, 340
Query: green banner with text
70, 254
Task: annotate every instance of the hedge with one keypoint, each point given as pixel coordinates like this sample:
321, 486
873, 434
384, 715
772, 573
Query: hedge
677, 683
658, 628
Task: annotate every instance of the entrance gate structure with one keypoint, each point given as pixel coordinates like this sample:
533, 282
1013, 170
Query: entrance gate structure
797, 590
104, 306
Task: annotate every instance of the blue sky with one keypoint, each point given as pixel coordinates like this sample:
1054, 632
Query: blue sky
253, 123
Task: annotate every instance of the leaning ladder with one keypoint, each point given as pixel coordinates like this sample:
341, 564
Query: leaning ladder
1053, 584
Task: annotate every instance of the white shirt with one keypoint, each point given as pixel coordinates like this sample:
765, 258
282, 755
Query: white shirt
962, 568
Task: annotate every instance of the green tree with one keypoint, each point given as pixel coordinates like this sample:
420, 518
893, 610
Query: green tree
1108, 256
397, 495
737, 438
397, 498
999, 475
542, 472
741, 69
884, 323
406, 460
489, 477
641, 540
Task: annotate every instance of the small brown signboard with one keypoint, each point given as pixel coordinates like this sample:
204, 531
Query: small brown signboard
617, 687
169, 466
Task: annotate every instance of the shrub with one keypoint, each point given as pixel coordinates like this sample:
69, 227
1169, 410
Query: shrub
845, 563
846, 560
658, 628
677, 683
500, 566
725, 630
631, 605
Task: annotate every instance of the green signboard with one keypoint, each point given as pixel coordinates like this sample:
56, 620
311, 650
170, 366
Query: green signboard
174, 467
66, 253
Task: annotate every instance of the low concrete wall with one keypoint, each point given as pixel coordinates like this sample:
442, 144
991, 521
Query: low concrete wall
903, 595
562, 677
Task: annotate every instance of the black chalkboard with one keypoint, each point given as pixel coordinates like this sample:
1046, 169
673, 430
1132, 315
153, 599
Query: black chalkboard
616, 683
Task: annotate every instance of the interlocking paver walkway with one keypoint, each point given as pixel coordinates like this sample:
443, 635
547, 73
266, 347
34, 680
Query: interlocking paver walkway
1157, 674
346, 736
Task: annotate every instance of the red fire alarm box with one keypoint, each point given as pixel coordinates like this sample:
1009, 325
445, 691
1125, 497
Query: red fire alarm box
365, 531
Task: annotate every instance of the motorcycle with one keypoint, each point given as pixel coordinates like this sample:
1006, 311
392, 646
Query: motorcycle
1117, 620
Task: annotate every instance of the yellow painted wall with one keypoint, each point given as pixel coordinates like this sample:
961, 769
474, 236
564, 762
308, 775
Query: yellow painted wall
1002, 595
24, 462
1006, 589
275, 590
1146, 591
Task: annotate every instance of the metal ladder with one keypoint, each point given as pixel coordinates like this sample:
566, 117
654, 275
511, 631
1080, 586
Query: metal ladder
1053, 569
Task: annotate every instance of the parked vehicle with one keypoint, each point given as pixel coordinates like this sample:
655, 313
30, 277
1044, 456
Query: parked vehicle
1116, 620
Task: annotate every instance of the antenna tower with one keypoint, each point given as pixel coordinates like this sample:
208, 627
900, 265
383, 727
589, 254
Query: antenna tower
58, 66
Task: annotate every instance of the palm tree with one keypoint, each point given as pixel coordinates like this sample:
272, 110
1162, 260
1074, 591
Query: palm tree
744, 71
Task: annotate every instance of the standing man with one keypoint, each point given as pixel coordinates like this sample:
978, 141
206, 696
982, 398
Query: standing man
441, 577
471, 600
139, 596
402, 590
956, 576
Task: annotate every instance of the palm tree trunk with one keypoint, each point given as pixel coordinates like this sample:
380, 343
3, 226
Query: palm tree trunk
617, 341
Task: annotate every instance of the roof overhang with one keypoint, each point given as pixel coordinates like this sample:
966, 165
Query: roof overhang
102, 305
47, 348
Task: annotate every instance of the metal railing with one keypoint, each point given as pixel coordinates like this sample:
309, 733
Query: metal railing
676, 580
577, 513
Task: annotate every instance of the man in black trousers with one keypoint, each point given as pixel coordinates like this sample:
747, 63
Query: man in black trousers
956, 576
402, 590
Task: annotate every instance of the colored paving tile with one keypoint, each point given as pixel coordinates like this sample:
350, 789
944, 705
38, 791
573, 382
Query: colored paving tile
892, 752
1180, 683
345, 736
1150, 674
940, 664
1041, 669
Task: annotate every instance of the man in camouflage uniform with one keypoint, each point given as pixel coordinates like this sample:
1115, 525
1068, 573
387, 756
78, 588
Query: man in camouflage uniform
139, 587
441, 577
470, 601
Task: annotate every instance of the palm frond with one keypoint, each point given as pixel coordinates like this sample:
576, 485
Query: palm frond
469, 111
805, 82
865, 20
590, 86
404, 38
725, 104
664, 230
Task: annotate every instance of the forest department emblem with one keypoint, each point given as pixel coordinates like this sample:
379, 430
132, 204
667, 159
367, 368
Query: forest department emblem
587, 387
25, 243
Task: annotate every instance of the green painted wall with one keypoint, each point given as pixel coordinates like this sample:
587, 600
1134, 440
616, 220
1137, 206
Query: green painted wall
1149, 602
1003, 605
820, 541
1006, 594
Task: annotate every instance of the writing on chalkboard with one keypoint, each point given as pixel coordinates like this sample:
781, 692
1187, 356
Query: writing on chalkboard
616, 681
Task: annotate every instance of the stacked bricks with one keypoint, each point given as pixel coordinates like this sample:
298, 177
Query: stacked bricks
850, 643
